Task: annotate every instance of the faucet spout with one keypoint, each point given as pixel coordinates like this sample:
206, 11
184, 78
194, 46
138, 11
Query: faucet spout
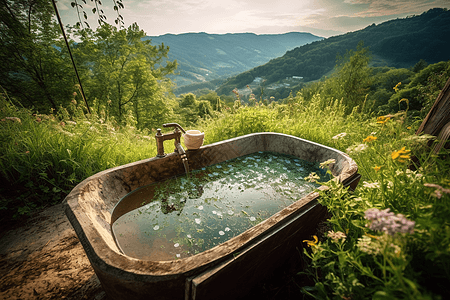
180, 150
183, 157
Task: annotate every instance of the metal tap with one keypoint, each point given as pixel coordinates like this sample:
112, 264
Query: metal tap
176, 135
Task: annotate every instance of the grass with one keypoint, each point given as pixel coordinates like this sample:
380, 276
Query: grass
44, 156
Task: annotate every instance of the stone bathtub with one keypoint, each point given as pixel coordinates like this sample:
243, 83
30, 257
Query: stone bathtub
226, 271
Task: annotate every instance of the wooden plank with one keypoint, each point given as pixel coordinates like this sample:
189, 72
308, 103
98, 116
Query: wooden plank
439, 114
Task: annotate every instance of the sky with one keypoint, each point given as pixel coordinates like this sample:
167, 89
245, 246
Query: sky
323, 18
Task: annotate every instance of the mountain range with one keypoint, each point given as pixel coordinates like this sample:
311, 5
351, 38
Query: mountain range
395, 43
204, 57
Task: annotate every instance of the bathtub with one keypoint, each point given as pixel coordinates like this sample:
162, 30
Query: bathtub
227, 271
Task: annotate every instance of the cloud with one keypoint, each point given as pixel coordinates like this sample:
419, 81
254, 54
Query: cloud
377, 8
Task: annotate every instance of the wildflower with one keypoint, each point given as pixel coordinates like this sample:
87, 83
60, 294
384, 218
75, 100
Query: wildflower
397, 249
312, 243
373, 133
336, 236
14, 119
340, 135
373, 185
357, 148
413, 174
312, 177
327, 163
383, 119
401, 155
369, 139
366, 245
439, 190
388, 222
377, 168
396, 87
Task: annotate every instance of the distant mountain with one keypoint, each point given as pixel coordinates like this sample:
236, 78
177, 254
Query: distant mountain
203, 57
395, 43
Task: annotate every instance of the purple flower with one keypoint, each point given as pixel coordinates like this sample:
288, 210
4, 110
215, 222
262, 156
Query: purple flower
388, 222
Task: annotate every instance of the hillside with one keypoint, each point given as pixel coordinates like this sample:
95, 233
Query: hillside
204, 57
395, 43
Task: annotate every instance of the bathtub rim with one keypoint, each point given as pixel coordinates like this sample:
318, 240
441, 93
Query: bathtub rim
109, 260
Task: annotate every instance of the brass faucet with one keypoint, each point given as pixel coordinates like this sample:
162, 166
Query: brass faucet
176, 135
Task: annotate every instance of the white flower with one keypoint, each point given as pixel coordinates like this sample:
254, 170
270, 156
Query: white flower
221, 232
189, 236
340, 135
357, 148
200, 207
198, 221
373, 185
336, 236
156, 227
176, 245
252, 219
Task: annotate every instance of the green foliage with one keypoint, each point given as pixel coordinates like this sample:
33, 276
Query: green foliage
362, 262
124, 74
34, 69
352, 79
43, 156
421, 89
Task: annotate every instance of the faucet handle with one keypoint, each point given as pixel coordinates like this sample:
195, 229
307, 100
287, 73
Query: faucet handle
174, 125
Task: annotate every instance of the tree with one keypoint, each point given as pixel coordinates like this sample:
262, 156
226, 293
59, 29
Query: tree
34, 69
126, 73
351, 81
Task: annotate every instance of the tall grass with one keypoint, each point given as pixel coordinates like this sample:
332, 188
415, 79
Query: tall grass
43, 156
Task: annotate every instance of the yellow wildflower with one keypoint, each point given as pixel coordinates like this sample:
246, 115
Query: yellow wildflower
377, 168
312, 243
370, 138
382, 119
401, 155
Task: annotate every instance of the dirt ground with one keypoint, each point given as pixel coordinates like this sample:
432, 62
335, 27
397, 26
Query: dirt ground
43, 259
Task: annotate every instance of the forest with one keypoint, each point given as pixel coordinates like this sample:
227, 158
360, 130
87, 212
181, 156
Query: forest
55, 133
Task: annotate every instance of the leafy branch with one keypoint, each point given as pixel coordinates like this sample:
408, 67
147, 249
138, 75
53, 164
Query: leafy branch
99, 11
